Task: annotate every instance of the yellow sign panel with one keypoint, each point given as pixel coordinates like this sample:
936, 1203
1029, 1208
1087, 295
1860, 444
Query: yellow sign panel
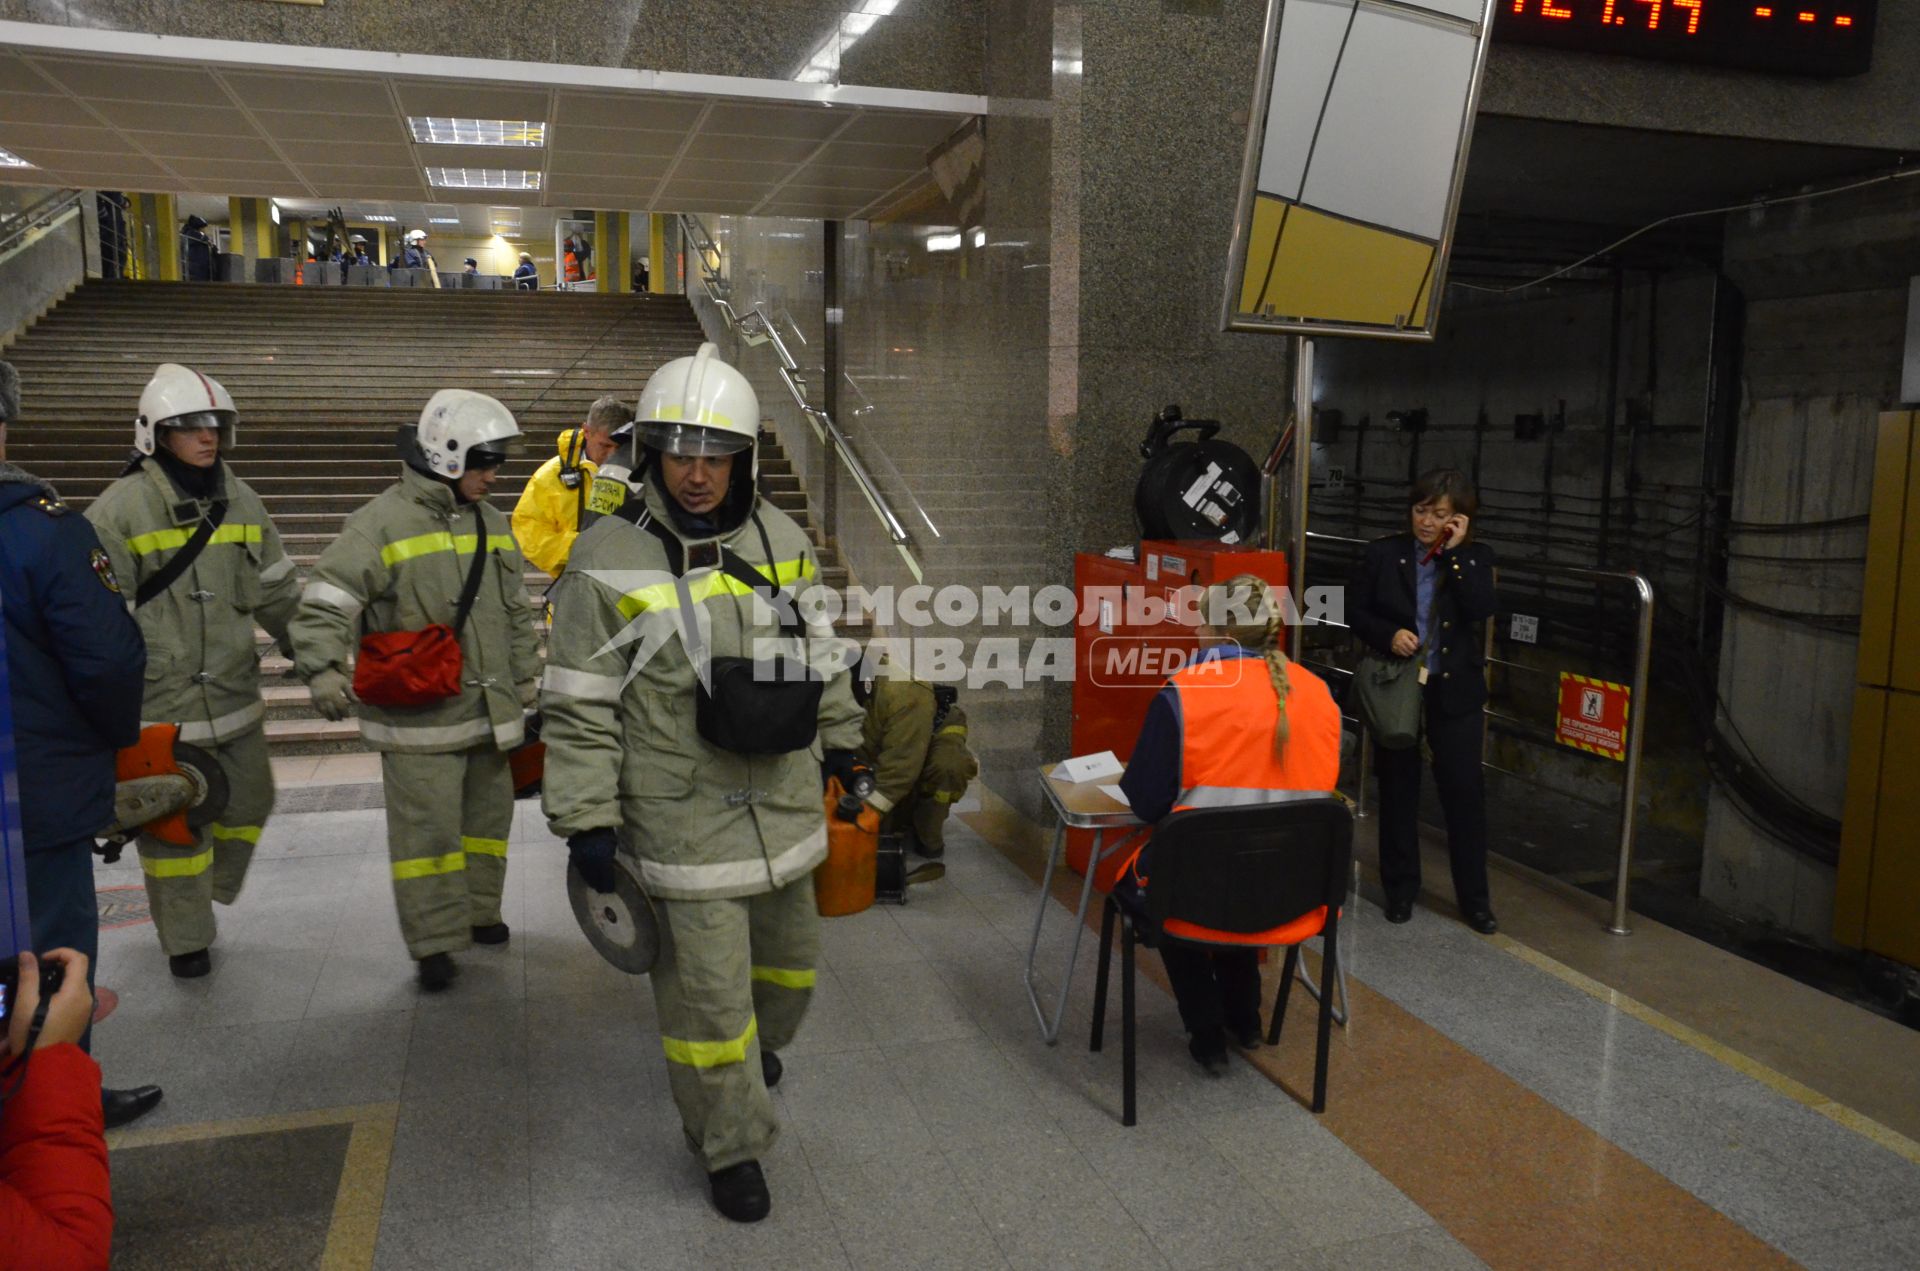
1353, 165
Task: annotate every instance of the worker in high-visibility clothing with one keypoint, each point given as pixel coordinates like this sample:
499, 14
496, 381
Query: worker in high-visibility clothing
402, 563
202, 564
665, 743
547, 518
1241, 722
915, 740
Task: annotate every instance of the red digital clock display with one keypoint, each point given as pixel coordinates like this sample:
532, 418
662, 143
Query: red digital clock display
1805, 37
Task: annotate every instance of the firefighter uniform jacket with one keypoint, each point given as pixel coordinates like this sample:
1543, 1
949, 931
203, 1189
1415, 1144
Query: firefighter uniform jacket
623, 749
203, 663
399, 565
547, 518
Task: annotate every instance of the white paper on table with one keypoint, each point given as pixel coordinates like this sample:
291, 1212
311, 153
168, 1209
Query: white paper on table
1082, 768
1115, 793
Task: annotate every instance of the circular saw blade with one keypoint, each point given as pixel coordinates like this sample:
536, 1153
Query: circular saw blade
620, 925
209, 782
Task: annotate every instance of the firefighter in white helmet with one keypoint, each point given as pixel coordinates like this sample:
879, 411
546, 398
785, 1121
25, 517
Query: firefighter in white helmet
201, 562
430, 550
665, 746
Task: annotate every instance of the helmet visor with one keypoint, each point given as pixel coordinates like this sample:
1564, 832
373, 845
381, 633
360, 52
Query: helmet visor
690, 440
200, 419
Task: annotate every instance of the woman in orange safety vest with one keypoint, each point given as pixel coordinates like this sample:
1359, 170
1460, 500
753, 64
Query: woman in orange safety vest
1239, 725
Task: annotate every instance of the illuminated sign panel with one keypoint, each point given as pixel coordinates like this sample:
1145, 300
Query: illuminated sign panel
1354, 157
1802, 37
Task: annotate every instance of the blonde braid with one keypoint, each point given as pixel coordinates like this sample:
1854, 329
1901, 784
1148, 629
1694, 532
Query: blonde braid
1263, 637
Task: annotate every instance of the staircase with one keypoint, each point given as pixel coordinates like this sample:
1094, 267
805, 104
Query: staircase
322, 377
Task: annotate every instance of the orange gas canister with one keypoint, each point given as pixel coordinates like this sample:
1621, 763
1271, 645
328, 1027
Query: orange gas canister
844, 883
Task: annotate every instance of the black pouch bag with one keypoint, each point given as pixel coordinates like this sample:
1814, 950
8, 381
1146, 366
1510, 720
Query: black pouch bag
754, 706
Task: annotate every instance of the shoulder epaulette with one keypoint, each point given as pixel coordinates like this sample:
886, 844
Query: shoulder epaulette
50, 505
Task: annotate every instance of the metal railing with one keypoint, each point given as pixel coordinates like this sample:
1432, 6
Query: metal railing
16, 228
756, 327
1637, 701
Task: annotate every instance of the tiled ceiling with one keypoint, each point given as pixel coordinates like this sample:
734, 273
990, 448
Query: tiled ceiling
221, 127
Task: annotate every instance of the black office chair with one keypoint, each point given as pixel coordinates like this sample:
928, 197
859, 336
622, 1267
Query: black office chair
1266, 875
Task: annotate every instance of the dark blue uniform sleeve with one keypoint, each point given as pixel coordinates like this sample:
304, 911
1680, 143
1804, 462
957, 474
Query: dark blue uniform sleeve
95, 638
1152, 779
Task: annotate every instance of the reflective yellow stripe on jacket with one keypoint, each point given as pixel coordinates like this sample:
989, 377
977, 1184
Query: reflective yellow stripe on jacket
442, 541
160, 540
706, 587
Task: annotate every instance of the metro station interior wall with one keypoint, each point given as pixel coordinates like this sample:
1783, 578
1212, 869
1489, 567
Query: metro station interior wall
1826, 284
1147, 155
948, 356
925, 44
38, 274
1880, 108
1547, 354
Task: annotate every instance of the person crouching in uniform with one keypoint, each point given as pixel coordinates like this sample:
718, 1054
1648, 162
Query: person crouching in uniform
726, 833
1241, 721
914, 738
404, 562
179, 501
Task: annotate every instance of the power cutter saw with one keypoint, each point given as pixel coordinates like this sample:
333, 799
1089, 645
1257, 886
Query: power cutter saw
164, 787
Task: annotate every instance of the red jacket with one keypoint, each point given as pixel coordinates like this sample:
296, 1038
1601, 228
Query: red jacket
56, 1213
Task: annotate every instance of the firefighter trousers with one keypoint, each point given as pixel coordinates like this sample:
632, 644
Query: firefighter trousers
448, 818
734, 976
183, 882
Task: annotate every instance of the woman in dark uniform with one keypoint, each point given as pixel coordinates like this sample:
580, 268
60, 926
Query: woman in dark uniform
1428, 593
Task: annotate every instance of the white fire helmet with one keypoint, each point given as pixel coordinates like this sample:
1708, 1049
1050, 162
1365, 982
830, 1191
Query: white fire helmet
700, 406
456, 423
181, 397
416, 235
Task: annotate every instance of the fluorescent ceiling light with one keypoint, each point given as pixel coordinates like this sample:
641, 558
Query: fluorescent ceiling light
273, 210
943, 242
8, 159
437, 130
443, 220
388, 220
1068, 65
483, 178
979, 238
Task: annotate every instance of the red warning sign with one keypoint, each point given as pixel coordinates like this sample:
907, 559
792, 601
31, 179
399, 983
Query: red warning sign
1593, 715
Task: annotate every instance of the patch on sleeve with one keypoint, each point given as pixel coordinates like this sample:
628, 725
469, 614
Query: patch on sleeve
103, 569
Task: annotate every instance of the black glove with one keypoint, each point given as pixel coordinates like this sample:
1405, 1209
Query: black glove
592, 854
844, 765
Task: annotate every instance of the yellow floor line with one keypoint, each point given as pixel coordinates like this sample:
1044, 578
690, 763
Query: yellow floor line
1894, 1141
354, 1230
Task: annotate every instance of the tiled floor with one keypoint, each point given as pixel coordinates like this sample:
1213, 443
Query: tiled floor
925, 1125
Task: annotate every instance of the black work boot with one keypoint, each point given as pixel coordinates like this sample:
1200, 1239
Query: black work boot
771, 1068
740, 1192
190, 966
436, 971
120, 1107
491, 933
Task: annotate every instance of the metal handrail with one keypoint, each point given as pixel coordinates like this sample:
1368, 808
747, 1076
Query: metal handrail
1637, 708
756, 327
42, 215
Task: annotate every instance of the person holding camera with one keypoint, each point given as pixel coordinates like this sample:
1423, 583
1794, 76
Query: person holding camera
1424, 596
689, 712
55, 1207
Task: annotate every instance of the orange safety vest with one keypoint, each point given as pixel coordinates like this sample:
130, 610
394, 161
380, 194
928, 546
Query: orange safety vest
1227, 713
573, 267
